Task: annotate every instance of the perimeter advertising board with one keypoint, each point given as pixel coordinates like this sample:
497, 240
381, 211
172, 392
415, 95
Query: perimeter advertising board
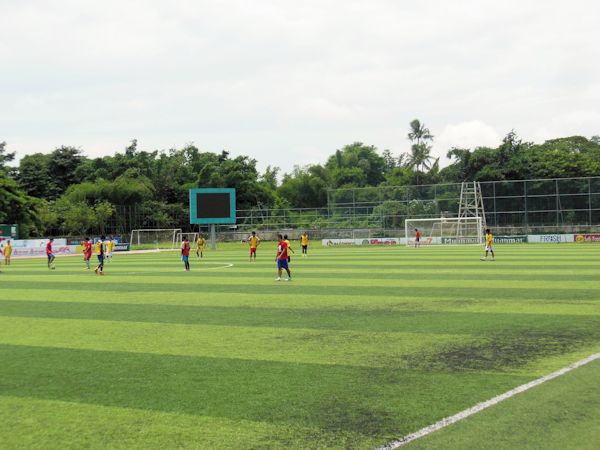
585, 238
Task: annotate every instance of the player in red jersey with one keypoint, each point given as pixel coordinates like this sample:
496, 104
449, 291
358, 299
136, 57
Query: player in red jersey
282, 259
87, 252
417, 238
185, 254
49, 254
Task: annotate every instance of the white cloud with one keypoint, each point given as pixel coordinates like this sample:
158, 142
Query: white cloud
288, 81
471, 134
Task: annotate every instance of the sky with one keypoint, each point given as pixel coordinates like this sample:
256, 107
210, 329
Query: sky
289, 82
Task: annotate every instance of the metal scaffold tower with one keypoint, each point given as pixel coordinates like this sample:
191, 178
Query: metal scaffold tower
471, 201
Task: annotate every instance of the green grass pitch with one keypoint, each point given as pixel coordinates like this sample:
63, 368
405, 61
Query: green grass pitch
365, 345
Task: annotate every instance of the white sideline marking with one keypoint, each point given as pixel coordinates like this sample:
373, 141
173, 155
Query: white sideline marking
484, 405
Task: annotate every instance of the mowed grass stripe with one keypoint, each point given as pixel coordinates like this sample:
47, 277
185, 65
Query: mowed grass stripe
335, 303
368, 320
296, 288
66, 425
354, 348
370, 401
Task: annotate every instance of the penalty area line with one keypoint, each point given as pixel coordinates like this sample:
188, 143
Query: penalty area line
484, 405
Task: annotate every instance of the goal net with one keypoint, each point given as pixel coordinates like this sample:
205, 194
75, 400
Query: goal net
159, 238
445, 230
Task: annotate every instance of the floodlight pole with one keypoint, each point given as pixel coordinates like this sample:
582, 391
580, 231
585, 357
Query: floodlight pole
213, 236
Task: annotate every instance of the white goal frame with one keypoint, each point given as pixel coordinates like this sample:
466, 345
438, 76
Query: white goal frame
445, 230
192, 237
170, 233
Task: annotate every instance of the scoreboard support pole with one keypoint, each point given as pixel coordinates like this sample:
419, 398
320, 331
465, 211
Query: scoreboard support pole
213, 237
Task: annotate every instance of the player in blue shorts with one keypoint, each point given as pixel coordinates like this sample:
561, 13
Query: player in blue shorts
282, 259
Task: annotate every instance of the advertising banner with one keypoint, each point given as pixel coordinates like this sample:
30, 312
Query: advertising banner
583, 238
365, 241
460, 240
549, 238
424, 241
520, 239
37, 251
37, 243
332, 242
380, 241
121, 248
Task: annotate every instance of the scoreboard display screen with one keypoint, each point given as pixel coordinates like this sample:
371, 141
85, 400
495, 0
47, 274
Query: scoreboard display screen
212, 206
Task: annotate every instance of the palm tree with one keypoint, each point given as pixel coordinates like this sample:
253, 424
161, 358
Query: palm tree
419, 133
420, 157
420, 151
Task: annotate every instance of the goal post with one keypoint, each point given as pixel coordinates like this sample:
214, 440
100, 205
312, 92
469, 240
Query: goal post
159, 238
192, 237
445, 230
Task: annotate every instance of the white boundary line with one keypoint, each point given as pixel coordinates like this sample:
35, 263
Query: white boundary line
484, 405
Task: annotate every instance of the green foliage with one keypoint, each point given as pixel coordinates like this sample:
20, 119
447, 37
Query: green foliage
156, 183
306, 187
5, 156
573, 156
356, 165
16, 206
77, 218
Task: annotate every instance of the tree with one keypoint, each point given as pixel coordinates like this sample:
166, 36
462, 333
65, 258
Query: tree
34, 177
5, 156
16, 206
420, 152
103, 211
419, 133
305, 187
351, 160
62, 167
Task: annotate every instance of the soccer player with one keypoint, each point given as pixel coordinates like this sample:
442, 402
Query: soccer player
282, 259
185, 253
49, 254
287, 241
99, 247
489, 242
304, 243
253, 240
110, 245
87, 252
417, 238
200, 244
7, 253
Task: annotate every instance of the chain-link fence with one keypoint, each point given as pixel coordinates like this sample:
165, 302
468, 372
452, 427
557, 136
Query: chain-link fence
512, 207
522, 206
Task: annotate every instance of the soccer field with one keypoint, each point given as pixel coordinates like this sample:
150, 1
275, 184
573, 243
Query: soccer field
364, 346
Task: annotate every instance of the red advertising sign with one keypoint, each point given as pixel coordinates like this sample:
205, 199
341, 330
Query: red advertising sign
587, 238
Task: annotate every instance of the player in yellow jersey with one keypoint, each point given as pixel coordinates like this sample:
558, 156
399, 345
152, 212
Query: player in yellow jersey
253, 241
489, 242
200, 244
304, 243
7, 253
110, 245
287, 241
99, 249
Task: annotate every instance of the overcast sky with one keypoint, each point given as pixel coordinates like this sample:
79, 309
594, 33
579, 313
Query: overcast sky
289, 82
